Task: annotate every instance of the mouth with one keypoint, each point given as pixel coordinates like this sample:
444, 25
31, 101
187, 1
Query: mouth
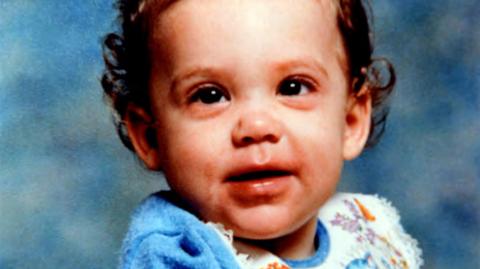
252, 187
259, 175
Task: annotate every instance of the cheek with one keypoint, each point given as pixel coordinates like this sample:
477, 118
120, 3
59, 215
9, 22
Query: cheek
318, 142
189, 150
321, 174
192, 154
317, 130
323, 161
185, 165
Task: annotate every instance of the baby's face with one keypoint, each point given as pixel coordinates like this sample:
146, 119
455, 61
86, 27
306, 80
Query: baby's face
254, 118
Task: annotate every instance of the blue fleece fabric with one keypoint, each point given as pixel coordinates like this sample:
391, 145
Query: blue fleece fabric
163, 235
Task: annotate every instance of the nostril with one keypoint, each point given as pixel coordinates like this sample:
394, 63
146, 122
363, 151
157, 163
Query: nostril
271, 138
247, 140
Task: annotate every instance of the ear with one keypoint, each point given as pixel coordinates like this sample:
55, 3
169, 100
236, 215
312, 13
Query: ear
143, 136
357, 123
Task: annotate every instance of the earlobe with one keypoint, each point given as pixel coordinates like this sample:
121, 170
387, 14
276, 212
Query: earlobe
143, 136
357, 123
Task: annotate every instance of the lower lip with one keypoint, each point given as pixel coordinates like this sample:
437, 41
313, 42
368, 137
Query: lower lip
259, 190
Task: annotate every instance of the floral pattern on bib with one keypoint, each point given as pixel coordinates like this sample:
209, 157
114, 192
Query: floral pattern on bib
356, 222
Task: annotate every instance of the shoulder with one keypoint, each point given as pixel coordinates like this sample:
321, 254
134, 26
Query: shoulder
368, 227
163, 235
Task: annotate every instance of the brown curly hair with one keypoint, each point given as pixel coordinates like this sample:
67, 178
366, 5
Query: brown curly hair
126, 55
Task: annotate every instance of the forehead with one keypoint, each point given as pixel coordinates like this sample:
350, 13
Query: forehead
152, 8
167, 16
258, 28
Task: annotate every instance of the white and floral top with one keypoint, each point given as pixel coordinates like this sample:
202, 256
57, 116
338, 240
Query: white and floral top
354, 231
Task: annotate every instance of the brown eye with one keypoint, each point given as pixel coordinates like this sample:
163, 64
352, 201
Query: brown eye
290, 87
209, 95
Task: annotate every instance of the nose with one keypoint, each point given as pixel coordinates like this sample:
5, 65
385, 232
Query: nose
256, 127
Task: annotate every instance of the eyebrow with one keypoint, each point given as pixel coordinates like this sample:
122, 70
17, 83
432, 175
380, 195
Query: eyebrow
192, 72
283, 65
299, 63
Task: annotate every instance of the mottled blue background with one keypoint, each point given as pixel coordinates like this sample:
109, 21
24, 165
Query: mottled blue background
67, 186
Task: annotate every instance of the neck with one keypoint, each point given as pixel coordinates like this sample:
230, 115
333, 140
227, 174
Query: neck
299, 244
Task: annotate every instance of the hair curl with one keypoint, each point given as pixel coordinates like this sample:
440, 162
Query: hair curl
126, 75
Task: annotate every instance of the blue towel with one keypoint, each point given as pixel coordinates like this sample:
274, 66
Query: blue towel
163, 235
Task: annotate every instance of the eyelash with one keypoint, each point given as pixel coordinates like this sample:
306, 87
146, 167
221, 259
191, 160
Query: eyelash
209, 94
289, 81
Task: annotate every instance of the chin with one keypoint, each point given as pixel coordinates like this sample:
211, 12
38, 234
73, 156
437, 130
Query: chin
264, 224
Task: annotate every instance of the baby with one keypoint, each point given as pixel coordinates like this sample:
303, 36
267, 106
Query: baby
250, 108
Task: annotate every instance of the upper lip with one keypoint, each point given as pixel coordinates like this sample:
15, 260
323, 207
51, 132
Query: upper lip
251, 172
